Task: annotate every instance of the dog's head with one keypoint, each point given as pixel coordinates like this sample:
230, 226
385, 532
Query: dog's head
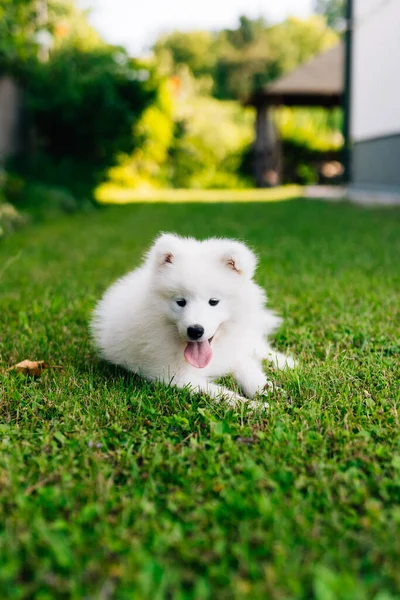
198, 285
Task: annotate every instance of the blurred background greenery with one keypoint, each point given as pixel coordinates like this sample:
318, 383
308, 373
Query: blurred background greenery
95, 116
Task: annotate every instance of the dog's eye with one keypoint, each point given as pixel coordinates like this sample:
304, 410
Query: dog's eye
181, 302
213, 302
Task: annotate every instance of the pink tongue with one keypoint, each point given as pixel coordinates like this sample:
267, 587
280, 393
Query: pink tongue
198, 354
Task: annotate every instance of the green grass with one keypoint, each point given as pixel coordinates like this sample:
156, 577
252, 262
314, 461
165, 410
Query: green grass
111, 488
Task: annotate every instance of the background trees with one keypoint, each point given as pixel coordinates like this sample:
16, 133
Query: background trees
332, 10
175, 119
81, 100
239, 60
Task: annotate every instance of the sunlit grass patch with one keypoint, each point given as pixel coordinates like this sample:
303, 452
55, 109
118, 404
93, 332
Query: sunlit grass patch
111, 194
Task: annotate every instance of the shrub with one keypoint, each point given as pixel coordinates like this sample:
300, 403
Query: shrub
316, 128
193, 142
152, 138
82, 106
209, 140
10, 218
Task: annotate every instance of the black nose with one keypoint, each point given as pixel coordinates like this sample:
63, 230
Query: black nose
195, 332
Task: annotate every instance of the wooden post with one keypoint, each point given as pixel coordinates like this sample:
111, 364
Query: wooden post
347, 96
10, 118
266, 150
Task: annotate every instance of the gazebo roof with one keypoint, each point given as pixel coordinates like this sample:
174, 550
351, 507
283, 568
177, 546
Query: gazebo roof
318, 82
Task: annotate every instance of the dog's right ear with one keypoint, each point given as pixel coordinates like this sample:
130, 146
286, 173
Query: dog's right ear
164, 249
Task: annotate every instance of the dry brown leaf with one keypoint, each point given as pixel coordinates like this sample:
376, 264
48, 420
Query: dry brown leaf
32, 367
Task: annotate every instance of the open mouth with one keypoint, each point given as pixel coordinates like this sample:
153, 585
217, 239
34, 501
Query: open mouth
199, 354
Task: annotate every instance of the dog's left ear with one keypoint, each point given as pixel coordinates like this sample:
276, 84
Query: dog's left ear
239, 259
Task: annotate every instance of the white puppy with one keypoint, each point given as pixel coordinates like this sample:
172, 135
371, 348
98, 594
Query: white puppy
191, 313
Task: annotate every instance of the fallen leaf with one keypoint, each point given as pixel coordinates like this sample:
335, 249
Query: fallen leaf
32, 367
115, 570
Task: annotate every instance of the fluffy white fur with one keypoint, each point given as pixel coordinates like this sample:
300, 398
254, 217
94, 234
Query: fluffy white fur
139, 325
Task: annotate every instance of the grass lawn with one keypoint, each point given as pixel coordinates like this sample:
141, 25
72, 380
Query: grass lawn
111, 488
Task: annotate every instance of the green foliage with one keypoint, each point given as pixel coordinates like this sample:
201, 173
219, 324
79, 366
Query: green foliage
332, 10
295, 41
193, 144
248, 32
114, 488
95, 113
17, 28
245, 58
23, 200
276, 51
152, 137
318, 128
310, 138
83, 106
194, 49
238, 61
20, 25
10, 218
46, 202
208, 145
303, 163
70, 27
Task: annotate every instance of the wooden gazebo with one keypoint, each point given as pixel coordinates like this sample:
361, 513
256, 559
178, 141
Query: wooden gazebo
318, 82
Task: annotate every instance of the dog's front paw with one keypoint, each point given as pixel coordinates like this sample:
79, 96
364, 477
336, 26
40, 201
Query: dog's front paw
268, 387
271, 388
285, 362
281, 361
290, 363
257, 406
233, 399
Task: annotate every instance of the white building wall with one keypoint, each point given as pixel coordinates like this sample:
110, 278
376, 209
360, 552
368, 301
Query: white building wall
375, 110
